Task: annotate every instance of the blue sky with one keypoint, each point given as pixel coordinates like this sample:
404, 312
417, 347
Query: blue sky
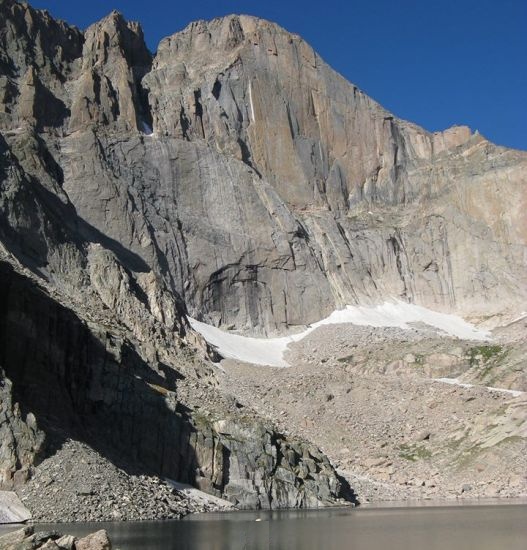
436, 63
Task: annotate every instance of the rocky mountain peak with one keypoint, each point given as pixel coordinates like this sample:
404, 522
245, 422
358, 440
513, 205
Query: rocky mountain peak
32, 36
113, 33
233, 30
108, 91
36, 51
329, 195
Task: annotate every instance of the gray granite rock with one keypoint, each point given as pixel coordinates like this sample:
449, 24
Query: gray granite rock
12, 510
27, 539
96, 541
20, 443
263, 188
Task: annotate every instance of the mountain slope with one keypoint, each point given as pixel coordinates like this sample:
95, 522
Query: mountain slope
94, 347
233, 176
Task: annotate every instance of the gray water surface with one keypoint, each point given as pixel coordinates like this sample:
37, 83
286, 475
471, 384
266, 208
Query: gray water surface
465, 527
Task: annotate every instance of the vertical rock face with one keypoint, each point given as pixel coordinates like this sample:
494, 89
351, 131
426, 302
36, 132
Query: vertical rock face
273, 191
265, 97
386, 208
20, 439
261, 186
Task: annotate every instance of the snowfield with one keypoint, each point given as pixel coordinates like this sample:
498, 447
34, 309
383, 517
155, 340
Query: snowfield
270, 351
260, 351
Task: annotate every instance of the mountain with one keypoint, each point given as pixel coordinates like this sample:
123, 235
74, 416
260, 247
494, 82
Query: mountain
328, 195
233, 177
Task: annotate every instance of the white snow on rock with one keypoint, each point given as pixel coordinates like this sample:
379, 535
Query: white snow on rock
270, 351
457, 382
260, 351
198, 496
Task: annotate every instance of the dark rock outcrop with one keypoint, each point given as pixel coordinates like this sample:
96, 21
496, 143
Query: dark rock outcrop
20, 439
89, 381
239, 454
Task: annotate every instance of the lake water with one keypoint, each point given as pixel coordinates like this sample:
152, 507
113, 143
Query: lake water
481, 527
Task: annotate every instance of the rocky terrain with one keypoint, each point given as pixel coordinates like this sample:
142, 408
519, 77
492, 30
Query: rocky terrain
153, 419
234, 176
391, 428
78, 484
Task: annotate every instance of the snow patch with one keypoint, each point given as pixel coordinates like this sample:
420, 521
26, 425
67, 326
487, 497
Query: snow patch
456, 382
198, 496
270, 351
260, 351
251, 105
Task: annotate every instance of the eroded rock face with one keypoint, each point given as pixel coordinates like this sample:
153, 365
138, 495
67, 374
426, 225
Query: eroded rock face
38, 54
114, 59
382, 206
92, 381
240, 454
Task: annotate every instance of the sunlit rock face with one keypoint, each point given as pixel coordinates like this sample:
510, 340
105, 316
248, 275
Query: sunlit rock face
258, 184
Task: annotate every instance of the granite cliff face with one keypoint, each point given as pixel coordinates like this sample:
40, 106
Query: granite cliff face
233, 176
260, 185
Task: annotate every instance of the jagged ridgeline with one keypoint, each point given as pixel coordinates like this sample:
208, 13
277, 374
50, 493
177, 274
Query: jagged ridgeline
235, 176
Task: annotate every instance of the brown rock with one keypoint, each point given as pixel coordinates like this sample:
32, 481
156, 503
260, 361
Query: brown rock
96, 541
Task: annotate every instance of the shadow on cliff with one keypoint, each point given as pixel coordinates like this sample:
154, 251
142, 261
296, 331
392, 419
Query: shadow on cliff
90, 385
50, 219
347, 492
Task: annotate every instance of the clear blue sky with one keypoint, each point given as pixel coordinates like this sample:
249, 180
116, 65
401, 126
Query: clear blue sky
434, 62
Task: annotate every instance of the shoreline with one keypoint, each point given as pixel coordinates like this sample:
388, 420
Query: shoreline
381, 505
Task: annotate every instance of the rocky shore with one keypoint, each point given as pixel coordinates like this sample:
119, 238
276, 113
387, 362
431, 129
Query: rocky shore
79, 484
29, 539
